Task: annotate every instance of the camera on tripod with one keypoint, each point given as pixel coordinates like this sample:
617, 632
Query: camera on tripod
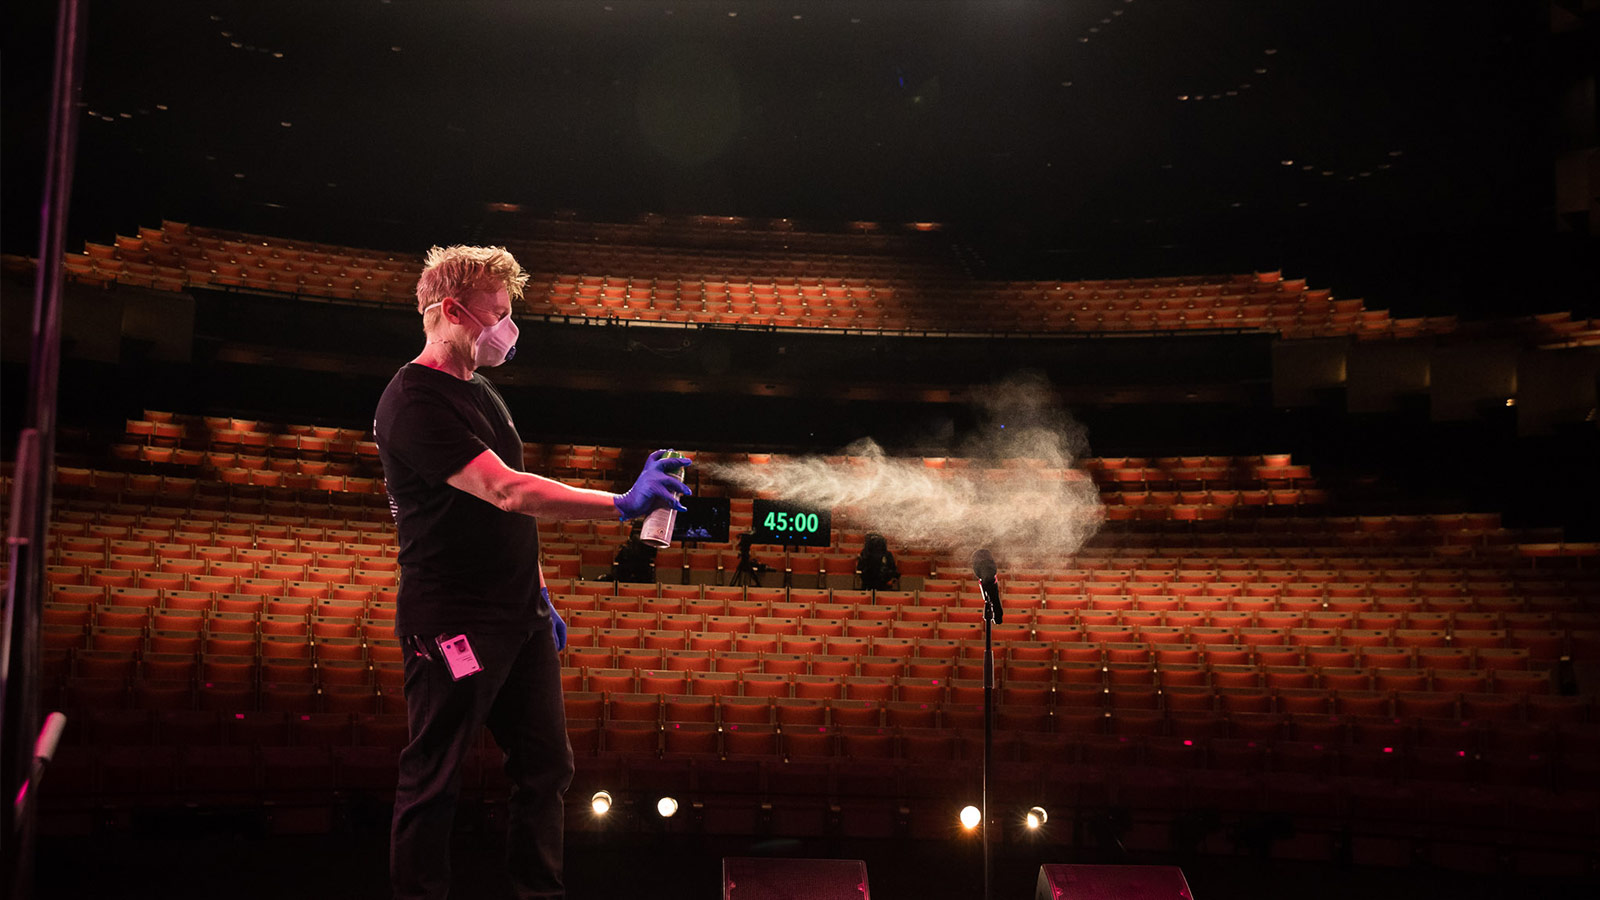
748, 572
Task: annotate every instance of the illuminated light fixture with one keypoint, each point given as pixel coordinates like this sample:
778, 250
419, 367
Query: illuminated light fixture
1511, 401
970, 817
667, 807
1286, 162
600, 803
1035, 818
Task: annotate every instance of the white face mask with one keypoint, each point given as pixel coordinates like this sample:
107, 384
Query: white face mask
496, 343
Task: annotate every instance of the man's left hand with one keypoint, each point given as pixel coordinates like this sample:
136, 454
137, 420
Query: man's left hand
558, 625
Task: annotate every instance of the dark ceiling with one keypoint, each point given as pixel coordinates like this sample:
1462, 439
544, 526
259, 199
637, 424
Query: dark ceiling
1372, 144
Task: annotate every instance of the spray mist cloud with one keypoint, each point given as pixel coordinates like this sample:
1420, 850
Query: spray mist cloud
1015, 493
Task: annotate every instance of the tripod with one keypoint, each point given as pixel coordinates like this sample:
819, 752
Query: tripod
748, 572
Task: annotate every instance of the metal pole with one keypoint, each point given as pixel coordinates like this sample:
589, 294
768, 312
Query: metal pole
988, 736
30, 513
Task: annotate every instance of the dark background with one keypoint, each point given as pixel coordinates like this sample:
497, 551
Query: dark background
1402, 152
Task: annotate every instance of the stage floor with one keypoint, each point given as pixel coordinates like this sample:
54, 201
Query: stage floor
353, 866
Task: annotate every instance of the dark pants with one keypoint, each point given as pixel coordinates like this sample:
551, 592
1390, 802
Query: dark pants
518, 695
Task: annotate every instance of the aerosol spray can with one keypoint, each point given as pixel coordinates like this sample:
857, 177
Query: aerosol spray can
657, 528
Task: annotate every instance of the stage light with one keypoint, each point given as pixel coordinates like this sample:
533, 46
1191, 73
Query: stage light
970, 817
600, 803
1036, 817
666, 806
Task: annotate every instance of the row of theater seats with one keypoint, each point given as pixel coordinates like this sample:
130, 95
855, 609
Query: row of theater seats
1492, 723
178, 651
299, 461
1291, 598
1237, 679
285, 562
637, 635
177, 256
656, 287
149, 555
1479, 561
303, 441
1533, 755
255, 439
296, 458
1545, 635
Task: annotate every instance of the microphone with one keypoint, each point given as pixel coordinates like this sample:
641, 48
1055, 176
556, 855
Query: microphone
984, 568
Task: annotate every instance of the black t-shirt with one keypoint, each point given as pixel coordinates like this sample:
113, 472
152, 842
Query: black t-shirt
465, 564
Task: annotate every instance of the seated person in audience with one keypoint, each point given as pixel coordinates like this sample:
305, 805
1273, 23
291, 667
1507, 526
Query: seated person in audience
876, 565
473, 611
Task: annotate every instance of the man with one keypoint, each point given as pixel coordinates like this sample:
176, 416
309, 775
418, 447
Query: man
474, 615
876, 565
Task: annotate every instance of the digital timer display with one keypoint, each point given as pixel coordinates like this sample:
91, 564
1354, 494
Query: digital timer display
774, 522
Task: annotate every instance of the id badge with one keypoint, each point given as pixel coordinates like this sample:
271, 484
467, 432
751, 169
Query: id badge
458, 656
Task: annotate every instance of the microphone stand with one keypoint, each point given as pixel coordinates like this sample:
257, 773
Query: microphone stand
992, 613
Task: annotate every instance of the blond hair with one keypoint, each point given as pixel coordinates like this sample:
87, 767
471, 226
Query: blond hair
458, 270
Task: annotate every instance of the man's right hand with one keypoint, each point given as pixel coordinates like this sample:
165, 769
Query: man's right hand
655, 487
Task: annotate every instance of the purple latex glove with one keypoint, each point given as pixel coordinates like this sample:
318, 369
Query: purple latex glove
655, 489
558, 625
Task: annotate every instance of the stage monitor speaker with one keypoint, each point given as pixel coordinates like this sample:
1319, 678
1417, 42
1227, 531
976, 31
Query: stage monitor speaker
755, 878
1112, 883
